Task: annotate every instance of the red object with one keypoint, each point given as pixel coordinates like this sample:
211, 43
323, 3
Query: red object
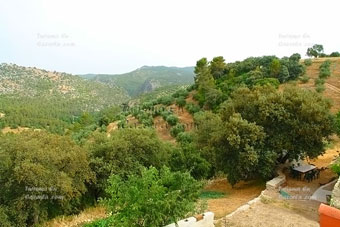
329, 216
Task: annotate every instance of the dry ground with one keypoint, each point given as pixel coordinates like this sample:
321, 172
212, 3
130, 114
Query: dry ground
332, 84
86, 216
234, 197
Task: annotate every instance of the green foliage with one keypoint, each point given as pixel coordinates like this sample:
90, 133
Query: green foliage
181, 93
320, 88
99, 223
192, 108
304, 79
125, 152
335, 167
211, 195
203, 79
308, 62
337, 123
335, 54
278, 112
184, 137
268, 81
175, 130
40, 164
218, 67
50, 101
172, 119
188, 158
165, 100
315, 51
325, 69
256, 126
180, 101
319, 81
275, 68
156, 198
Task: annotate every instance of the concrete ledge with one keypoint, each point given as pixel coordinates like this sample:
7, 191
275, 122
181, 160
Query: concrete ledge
276, 182
207, 221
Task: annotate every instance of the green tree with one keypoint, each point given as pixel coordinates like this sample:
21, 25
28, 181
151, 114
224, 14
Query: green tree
203, 79
125, 152
218, 67
41, 176
275, 68
156, 198
296, 121
335, 54
315, 51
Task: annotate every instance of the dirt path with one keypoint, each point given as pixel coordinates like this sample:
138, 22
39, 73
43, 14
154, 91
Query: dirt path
333, 88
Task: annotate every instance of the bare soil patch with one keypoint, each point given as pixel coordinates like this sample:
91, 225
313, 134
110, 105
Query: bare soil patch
234, 197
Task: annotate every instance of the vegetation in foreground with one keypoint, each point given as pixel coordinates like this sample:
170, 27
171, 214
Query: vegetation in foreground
245, 127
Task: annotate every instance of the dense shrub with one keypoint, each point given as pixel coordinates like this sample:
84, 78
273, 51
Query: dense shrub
54, 167
154, 198
308, 62
181, 93
335, 54
192, 108
184, 137
325, 70
166, 100
320, 88
124, 153
319, 81
172, 119
188, 158
304, 79
175, 130
180, 101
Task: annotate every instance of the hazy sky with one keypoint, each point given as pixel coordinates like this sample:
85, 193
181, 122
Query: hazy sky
116, 36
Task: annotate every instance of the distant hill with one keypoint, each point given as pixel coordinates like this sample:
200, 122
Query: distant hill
146, 78
36, 97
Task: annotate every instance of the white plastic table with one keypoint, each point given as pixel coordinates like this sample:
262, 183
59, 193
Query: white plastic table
304, 168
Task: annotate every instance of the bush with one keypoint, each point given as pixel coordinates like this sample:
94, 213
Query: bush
181, 93
180, 101
335, 54
268, 81
124, 153
188, 158
172, 120
184, 137
320, 88
156, 198
325, 69
304, 79
174, 131
166, 100
308, 62
335, 167
165, 114
319, 81
40, 160
192, 108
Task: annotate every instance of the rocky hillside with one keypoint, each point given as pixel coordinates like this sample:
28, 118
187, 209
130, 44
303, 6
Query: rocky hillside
32, 82
146, 78
36, 98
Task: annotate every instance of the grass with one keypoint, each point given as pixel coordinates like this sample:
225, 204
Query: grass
212, 195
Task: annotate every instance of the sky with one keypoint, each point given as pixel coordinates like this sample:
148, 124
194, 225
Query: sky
117, 36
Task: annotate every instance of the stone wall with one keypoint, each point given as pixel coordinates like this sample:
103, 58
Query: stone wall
335, 202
